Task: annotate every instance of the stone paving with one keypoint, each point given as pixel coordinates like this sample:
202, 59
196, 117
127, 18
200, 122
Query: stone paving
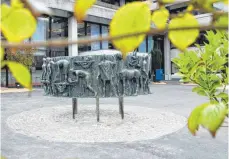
180, 144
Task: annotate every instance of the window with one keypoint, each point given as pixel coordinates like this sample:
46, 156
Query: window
93, 30
142, 47
113, 2
178, 10
146, 45
50, 28
105, 44
59, 30
81, 33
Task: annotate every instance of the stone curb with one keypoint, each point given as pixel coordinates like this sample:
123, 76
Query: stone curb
13, 90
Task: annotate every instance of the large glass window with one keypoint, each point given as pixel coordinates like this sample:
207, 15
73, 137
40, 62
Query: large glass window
142, 47
59, 30
147, 45
41, 34
93, 30
150, 43
50, 28
81, 33
105, 44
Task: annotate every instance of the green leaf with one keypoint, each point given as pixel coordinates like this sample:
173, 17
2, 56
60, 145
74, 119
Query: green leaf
160, 17
222, 21
21, 73
183, 38
130, 18
197, 89
212, 117
201, 92
193, 119
222, 95
81, 7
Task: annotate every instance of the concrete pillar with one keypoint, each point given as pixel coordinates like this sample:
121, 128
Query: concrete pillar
167, 58
72, 35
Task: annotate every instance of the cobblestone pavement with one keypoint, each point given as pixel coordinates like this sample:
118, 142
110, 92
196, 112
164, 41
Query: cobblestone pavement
181, 144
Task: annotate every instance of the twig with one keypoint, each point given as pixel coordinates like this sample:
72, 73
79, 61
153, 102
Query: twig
87, 40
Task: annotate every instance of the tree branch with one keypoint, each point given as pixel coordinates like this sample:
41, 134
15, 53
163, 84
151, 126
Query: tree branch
59, 43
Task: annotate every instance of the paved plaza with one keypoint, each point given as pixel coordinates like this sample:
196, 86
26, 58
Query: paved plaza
154, 127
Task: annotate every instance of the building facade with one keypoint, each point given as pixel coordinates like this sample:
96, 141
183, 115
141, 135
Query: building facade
62, 24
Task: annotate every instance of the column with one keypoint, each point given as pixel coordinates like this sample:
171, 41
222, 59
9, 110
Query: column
72, 35
167, 58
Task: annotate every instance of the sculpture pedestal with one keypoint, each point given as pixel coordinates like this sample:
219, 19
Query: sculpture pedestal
75, 108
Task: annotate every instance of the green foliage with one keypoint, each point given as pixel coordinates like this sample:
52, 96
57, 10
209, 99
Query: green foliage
23, 56
19, 64
207, 68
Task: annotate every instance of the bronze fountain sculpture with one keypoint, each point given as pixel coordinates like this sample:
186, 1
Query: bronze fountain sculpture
97, 74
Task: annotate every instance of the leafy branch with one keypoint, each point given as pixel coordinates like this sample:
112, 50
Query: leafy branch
201, 67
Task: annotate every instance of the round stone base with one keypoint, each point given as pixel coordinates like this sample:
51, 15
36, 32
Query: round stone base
56, 124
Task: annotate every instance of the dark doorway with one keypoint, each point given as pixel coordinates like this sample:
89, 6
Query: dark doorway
157, 54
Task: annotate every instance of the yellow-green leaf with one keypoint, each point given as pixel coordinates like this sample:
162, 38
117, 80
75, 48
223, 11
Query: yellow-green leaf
20, 73
190, 8
19, 25
131, 18
222, 21
193, 120
81, 7
212, 117
16, 4
207, 5
160, 17
167, 1
5, 10
183, 38
222, 95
